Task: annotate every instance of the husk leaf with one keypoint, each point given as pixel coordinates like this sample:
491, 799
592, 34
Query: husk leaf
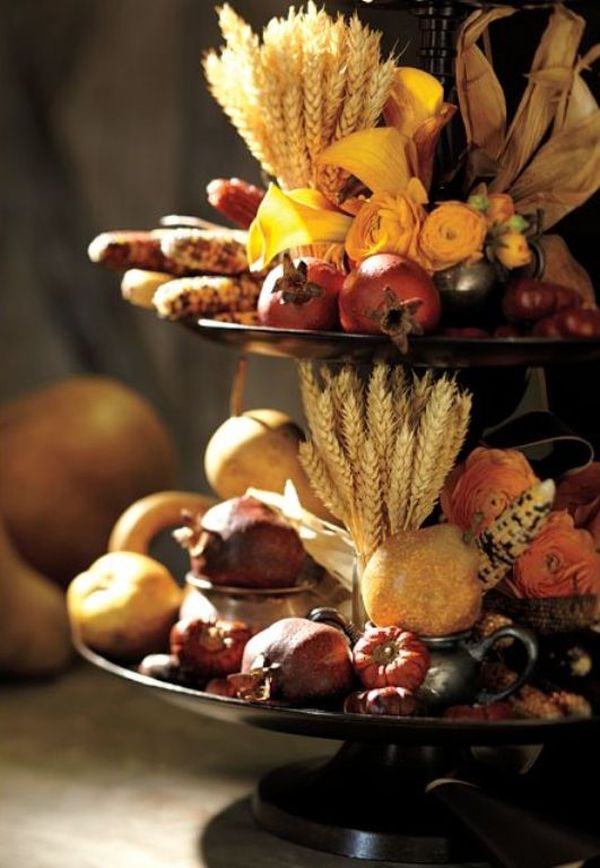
480, 94
564, 173
557, 49
579, 102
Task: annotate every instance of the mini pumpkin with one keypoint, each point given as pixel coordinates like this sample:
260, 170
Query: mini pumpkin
390, 656
210, 648
392, 701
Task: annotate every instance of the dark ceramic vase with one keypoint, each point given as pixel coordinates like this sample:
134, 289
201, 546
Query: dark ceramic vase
470, 294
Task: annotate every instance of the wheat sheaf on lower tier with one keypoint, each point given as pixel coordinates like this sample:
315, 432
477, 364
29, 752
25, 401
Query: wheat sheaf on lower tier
380, 449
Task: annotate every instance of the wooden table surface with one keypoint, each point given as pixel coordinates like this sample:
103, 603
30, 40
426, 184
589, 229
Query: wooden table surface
97, 774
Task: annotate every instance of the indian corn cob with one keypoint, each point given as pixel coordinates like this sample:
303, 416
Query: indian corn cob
235, 199
205, 296
513, 531
201, 250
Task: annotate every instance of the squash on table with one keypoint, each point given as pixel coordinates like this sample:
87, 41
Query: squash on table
34, 628
73, 457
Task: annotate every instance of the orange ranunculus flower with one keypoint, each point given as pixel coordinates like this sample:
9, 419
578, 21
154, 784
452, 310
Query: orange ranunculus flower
500, 208
512, 250
386, 224
561, 561
477, 491
453, 232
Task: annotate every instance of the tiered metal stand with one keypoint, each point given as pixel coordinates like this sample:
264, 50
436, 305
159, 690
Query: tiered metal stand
370, 800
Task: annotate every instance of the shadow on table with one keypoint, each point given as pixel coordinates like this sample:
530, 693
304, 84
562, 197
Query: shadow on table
232, 839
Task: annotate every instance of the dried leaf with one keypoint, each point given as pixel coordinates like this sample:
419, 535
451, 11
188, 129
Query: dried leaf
557, 49
480, 94
564, 173
580, 102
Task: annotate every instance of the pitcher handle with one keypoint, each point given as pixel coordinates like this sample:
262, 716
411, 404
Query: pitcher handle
480, 650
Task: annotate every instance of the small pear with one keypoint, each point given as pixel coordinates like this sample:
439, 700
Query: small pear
424, 581
259, 449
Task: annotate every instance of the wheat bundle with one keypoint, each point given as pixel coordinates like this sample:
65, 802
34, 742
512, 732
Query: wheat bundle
379, 451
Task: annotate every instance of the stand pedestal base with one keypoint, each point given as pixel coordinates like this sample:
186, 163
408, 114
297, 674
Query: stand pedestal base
367, 802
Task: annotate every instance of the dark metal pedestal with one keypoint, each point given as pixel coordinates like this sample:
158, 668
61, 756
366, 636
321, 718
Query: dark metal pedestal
368, 802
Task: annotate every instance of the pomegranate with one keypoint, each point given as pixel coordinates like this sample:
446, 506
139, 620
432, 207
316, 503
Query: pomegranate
209, 648
301, 294
390, 295
295, 660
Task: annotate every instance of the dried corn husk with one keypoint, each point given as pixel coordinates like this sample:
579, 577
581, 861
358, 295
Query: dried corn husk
480, 94
563, 174
560, 266
579, 102
556, 53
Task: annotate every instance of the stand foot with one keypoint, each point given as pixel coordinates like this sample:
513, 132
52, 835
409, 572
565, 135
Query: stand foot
367, 802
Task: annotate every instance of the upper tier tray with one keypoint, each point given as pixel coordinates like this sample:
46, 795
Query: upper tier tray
431, 352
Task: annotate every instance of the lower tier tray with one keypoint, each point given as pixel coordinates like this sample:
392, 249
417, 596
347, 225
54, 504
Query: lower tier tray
326, 723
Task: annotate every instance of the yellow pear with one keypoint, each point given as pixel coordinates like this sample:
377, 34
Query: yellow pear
424, 581
124, 605
259, 449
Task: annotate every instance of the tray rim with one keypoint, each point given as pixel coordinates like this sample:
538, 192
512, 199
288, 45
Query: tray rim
409, 725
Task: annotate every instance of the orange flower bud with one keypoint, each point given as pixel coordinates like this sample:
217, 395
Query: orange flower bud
512, 250
500, 208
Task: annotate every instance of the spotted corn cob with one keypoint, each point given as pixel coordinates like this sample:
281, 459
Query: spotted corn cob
235, 199
241, 317
206, 296
532, 702
202, 250
511, 534
131, 249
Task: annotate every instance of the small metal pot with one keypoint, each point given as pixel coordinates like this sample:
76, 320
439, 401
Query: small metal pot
455, 660
470, 294
260, 607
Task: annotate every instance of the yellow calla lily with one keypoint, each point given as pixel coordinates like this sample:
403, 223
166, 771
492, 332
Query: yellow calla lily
293, 219
383, 158
415, 96
416, 108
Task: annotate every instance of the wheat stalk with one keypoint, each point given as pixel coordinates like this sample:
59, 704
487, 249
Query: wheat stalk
320, 480
400, 477
371, 525
429, 448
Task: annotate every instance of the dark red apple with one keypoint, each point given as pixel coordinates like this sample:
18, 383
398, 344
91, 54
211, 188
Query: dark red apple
386, 293
301, 294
